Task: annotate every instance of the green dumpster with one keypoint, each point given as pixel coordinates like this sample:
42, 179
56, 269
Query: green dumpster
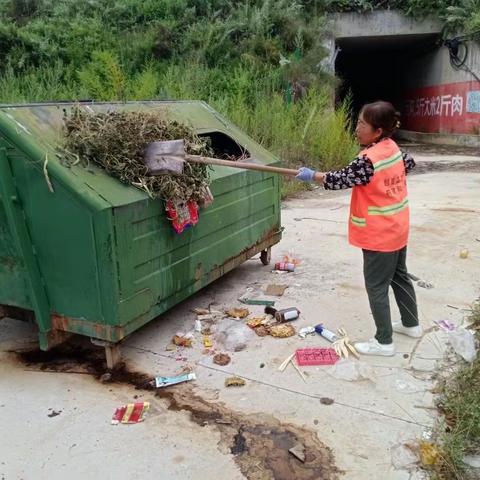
81, 253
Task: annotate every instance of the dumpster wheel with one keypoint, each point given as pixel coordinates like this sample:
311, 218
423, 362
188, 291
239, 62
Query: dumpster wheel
266, 256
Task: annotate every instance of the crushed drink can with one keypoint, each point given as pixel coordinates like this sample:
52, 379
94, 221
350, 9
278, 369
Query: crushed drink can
285, 267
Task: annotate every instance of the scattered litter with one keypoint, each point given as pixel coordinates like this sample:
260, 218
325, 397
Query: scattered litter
464, 253
234, 336
221, 359
285, 363
298, 451
198, 326
130, 413
298, 370
275, 290
206, 331
201, 311
105, 378
463, 342
352, 370
316, 356
472, 461
424, 284
445, 325
327, 401
207, 343
282, 331
54, 413
285, 267
255, 322
234, 382
238, 312
181, 340
429, 453
427, 434
284, 315
288, 259
262, 365
245, 299
404, 456
287, 314
251, 301
421, 283
343, 345
261, 331
304, 331
325, 333
167, 381
171, 347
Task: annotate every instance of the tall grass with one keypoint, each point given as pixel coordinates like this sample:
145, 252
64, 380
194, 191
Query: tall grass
306, 132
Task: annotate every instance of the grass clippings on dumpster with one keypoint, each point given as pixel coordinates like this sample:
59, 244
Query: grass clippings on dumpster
116, 141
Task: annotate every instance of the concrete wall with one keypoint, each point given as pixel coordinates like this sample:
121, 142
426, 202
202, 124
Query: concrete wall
442, 99
380, 23
436, 98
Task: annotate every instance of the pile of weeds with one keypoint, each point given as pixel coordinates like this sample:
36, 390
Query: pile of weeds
116, 141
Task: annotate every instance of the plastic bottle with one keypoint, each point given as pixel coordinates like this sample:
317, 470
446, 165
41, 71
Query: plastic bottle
325, 333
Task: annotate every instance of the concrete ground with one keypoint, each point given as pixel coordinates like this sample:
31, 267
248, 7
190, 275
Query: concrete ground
58, 424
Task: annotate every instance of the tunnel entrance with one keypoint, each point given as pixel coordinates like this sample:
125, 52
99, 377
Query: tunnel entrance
380, 68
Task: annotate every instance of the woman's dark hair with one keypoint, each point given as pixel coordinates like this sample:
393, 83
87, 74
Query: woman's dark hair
381, 115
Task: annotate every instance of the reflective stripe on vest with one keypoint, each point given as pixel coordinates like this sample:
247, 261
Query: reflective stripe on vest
388, 162
389, 209
359, 222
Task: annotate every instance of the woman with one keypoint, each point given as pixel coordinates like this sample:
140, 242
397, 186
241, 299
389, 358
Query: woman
379, 222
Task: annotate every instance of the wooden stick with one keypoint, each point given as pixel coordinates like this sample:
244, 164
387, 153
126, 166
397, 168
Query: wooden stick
244, 165
298, 370
284, 364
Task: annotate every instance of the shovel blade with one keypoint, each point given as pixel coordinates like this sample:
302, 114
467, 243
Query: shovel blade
165, 158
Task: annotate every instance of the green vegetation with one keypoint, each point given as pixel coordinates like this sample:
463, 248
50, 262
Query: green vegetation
460, 407
256, 61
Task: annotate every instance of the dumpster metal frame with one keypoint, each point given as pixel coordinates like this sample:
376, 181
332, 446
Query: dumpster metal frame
53, 326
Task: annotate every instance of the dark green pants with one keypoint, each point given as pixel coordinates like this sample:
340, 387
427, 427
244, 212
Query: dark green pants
382, 270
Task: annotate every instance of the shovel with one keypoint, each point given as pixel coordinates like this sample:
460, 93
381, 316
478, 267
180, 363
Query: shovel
169, 157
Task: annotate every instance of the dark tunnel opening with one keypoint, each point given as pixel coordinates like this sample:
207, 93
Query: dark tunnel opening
380, 68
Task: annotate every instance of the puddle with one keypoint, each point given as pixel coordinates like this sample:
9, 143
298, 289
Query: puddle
258, 442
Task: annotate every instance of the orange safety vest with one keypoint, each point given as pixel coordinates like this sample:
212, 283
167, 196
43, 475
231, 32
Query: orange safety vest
379, 212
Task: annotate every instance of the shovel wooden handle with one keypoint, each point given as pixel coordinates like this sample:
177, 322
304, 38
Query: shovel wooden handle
244, 165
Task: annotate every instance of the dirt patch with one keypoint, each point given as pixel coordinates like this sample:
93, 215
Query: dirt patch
259, 443
77, 359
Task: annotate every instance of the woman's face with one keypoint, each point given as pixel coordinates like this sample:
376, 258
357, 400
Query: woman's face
366, 134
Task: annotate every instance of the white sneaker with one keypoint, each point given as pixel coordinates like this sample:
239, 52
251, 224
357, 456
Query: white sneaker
372, 347
415, 332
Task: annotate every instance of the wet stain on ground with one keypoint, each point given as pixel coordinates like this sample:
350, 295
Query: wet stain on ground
259, 442
70, 358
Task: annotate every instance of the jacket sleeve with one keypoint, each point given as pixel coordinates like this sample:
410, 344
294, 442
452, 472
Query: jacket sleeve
358, 172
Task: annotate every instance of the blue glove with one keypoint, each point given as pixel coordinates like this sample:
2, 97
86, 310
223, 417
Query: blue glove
306, 174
